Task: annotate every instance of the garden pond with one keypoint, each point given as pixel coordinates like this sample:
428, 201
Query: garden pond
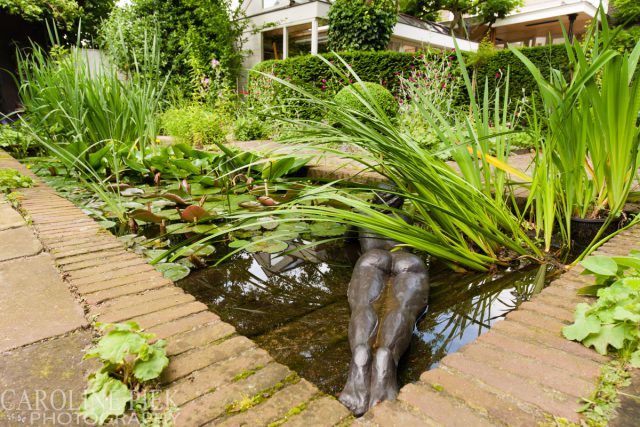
292, 298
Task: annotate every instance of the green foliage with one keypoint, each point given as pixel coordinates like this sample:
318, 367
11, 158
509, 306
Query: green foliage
200, 40
361, 24
11, 179
195, 124
130, 361
349, 98
250, 127
626, 39
386, 68
626, 11
86, 111
485, 11
15, 140
589, 119
63, 12
612, 321
92, 14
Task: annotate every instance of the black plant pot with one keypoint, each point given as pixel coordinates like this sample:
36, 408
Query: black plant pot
583, 230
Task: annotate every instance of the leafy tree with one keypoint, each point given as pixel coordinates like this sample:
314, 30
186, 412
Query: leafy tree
361, 24
63, 12
200, 40
93, 12
486, 12
626, 11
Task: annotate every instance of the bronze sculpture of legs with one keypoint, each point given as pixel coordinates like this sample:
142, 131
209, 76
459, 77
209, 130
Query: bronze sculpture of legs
386, 294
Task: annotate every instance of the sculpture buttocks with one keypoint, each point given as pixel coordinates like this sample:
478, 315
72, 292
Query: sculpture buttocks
387, 292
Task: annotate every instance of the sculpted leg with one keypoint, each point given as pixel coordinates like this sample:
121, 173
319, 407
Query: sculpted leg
408, 297
367, 283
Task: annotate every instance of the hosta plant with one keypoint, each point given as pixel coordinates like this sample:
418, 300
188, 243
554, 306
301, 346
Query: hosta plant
131, 360
612, 322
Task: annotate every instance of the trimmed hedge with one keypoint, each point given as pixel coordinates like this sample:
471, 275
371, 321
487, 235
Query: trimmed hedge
347, 98
383, 67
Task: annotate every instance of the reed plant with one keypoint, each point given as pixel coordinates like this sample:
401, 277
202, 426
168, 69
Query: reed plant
459, 218
588, 133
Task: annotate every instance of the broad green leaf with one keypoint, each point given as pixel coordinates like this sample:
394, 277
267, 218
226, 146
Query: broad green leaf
634, 360
145, 370
327, 229
173, 271
602, 265
109, 400
269, 246
117, 344
583, 326
609, 335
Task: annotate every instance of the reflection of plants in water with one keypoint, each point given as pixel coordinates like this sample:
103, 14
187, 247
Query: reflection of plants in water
454, 320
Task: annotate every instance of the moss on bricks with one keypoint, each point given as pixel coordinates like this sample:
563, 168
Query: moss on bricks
246, 403
246, 374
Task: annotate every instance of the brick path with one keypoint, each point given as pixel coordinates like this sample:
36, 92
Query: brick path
517, 374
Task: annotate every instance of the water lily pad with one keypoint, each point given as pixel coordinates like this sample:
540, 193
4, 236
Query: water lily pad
130, 192
194, 213
107, 224
173, 271
132, 205
268, 222
146, 216
179, 228
201, 250
280, 234
204, 228
327, 229
154, 253
170, 214
200, 190
269, 246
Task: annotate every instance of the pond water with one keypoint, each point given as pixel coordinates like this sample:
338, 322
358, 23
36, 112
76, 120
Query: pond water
295, 307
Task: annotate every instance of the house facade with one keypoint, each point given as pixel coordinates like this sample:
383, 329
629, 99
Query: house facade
285, 28
537, 22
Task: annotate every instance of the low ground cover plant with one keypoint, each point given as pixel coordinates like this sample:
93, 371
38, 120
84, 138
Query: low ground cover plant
12, 179
610, 324
131, 361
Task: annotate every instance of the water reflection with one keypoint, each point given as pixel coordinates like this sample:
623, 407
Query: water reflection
298, 311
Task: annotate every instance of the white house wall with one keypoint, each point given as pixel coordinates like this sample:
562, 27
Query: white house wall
535, 10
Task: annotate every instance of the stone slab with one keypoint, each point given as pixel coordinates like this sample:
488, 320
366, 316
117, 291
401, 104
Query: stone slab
17, 243
9, 218
42, 383
37, 304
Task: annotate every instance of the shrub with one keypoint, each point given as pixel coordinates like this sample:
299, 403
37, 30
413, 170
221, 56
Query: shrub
194, 124
361, 24
348, 98
249, 128
312, 74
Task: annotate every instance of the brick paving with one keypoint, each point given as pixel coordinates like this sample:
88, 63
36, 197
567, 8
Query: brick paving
519, 373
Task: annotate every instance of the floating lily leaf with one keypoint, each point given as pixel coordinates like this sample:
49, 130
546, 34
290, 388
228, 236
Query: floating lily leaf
107, 224
281, 234
204, 228
237, 244
170, 214
154, 253
327, 229
201, 250
208, 181
251, 205
198, 189
194, 213
267, 222
173, 271
116, 187
179, 228
162, 203
270, 246
169, 196
132, 205
130, 192
146, 216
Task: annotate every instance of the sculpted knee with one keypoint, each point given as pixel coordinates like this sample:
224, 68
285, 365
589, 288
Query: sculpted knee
375, 258
408, 263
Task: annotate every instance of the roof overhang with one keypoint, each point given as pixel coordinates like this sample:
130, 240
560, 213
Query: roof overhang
432, 38
550, 9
